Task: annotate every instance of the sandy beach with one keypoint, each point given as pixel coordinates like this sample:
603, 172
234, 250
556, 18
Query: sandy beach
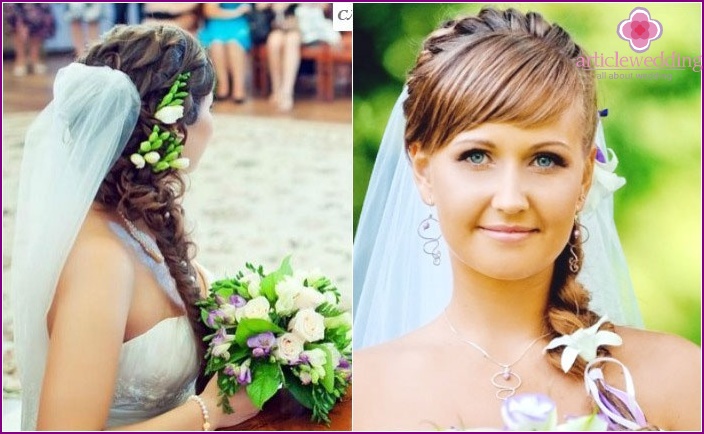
266, 188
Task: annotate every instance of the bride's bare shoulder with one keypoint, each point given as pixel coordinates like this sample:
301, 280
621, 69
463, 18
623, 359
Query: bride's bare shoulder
408, 347
667, 374
381, 377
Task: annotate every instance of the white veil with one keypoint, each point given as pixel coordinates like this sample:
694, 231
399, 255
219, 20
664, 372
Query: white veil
67, 152
398, 289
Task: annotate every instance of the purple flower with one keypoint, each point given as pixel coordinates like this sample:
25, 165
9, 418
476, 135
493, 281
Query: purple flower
260, 352
303, 358
237, 300
261, 344
220, 345
529, 412
344, 363
244, 374
230, 370
212, 316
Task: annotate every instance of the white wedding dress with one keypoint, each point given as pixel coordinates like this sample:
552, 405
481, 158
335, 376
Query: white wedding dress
157, 372
157, 369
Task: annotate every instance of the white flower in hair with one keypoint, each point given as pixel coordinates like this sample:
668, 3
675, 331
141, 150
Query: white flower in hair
137, 160
180, 163
152, 157
169, 114
583, 343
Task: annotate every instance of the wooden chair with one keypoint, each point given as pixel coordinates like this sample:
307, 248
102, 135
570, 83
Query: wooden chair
324, 56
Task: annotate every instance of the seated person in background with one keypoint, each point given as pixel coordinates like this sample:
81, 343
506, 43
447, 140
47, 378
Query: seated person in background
183, 15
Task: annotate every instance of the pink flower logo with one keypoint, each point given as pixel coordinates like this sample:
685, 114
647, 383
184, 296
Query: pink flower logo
639, 29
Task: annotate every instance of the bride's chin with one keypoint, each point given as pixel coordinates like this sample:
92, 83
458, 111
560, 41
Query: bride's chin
505, 269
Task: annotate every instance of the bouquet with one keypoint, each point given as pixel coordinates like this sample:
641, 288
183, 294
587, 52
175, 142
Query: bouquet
279, 330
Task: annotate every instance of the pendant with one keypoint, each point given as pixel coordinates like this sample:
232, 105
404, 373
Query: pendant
507, 382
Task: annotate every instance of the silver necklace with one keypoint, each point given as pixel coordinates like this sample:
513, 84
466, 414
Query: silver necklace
143, 239
506, 381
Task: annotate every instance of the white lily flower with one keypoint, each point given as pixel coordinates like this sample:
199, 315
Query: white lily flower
583, 343
169, 114
137, 160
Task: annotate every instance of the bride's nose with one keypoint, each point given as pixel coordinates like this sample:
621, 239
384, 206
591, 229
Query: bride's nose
509, 195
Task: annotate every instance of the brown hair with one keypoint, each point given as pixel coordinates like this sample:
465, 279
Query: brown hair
509, 67
153, 57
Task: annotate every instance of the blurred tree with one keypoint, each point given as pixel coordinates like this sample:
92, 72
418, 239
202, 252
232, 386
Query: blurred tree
654, 125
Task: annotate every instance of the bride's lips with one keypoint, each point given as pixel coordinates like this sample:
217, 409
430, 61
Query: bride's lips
508, 233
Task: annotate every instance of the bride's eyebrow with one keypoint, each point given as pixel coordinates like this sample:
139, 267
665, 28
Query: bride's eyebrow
475, 142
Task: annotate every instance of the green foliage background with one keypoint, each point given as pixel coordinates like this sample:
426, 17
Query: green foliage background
653, 125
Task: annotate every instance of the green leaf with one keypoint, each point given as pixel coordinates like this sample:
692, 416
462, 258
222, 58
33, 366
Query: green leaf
268, 284
303, 394
204, 317
266, 379
171, 157
238, 354
249, 327
164, 102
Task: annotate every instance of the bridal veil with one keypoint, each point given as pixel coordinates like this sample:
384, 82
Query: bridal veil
68, 151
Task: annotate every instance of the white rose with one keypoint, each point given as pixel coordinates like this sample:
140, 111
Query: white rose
289, 284
255, 308
253, 282
308, 298
285, 304
308, 324
288, 348
169, 114
316, 357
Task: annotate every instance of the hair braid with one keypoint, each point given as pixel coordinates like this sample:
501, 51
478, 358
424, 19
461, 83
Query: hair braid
153, 57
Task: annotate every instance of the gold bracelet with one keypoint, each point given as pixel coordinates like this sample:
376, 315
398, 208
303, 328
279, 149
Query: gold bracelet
203, 410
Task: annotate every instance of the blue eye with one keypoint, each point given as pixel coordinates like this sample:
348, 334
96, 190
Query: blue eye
476, 157
545, 161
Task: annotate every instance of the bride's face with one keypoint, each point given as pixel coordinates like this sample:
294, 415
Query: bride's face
199, 133
506, 196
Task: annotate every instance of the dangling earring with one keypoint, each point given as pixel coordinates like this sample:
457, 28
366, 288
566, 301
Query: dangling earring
574, 262
431, 246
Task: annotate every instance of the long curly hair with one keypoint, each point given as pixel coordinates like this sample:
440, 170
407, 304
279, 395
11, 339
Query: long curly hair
510, 67
153, 57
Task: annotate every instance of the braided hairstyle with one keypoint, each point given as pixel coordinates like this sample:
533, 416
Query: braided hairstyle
153, 57
507, 67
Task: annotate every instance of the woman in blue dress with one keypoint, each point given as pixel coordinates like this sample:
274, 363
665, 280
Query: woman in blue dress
226, 36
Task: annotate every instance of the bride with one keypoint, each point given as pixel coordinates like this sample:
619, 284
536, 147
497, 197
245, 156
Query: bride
501, 140
104, 279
